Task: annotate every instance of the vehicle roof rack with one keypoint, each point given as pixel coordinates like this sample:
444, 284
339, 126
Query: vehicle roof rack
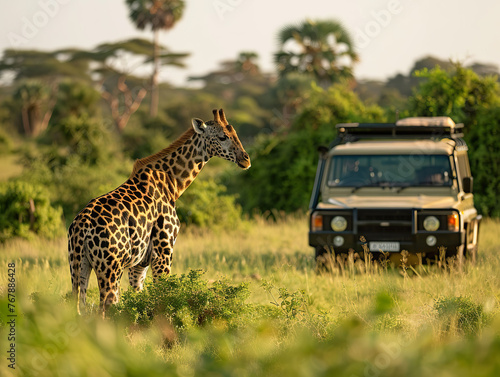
418, 127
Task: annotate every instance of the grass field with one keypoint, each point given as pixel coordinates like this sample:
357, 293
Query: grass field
295, 322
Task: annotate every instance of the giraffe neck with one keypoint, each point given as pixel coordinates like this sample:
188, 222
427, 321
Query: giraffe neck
173, 169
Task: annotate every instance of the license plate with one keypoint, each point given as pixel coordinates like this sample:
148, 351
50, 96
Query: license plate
384, 246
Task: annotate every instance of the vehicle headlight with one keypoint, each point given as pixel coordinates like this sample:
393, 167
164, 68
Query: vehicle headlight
338, 241
431, 223
339, 223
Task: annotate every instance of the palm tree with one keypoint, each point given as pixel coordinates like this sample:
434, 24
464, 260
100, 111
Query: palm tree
323, 49
158, 15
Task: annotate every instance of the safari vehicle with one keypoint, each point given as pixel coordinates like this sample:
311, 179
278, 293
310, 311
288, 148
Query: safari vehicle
394, 187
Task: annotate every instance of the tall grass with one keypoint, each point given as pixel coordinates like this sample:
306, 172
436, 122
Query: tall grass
300, 322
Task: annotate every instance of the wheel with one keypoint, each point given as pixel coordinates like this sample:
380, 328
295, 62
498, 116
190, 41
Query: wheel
471, 252
323, 259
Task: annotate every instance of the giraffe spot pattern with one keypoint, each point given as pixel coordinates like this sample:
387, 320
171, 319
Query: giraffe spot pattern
135, 226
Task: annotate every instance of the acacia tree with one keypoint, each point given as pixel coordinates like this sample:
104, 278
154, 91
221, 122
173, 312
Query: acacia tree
114, 64
158, 15
323, 49
36, 101
35, 76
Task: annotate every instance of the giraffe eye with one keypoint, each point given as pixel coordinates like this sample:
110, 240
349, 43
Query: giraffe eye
222, 138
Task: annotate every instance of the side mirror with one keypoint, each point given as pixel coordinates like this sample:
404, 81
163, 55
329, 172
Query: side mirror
322, 151
467, 184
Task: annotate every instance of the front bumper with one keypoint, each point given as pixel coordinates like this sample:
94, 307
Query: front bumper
401, 227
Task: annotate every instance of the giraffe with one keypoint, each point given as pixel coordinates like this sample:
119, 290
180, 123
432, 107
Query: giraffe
135, 226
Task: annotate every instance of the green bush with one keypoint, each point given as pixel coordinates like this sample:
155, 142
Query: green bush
25, 209
73, 184
206, 204
484, 155
186, 300
144, 140
461, 313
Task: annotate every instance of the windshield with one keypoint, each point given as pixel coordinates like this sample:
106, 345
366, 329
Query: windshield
389, 171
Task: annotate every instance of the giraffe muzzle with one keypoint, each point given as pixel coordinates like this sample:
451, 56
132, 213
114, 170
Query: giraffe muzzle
244, 161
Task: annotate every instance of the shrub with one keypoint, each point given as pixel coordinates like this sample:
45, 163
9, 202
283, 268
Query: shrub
73, 184
186, 300
206, 204
461, 313
25, 209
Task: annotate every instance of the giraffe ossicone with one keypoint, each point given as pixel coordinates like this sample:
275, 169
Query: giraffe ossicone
135, 226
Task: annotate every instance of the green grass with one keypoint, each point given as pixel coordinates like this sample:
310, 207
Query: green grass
299, 322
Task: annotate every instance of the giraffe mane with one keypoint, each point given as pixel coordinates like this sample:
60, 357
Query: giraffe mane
164, 152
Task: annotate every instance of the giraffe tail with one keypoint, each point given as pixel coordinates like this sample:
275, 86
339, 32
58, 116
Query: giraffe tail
74, 264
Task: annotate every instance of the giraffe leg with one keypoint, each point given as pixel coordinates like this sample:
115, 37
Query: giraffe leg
136, 276
163, 241
109, 288
85, 270
162, 263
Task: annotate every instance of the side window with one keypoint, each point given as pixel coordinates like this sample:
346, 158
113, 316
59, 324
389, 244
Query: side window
463, 165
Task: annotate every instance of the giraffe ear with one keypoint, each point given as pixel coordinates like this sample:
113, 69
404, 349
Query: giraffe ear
198, 125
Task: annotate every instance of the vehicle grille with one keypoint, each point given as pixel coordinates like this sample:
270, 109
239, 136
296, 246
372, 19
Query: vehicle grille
385, 225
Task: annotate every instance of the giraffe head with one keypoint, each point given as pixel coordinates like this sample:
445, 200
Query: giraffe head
221, 139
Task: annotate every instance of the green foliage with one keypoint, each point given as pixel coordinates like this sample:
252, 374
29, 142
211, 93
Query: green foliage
82, 137
27, 64
460, 314
484, 161
284, 165
475, 101
72, 184
384, 303
459, 93
74, 99
78, 157
292, 305
186, 301
206, 204
324, 47
147, 138
353, 325
25, 210
155, 14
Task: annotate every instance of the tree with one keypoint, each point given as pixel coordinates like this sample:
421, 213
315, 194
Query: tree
458, 93
36, 102
158, 15
114, 64
323, 49
467, 98
42, 65
284, 164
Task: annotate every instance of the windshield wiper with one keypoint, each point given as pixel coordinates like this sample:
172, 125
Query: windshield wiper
356, 188
401, 188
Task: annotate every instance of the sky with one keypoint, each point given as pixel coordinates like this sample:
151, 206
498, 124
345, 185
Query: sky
389, 35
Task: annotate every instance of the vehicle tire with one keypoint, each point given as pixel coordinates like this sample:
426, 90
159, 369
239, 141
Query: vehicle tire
322, 258
471, 253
